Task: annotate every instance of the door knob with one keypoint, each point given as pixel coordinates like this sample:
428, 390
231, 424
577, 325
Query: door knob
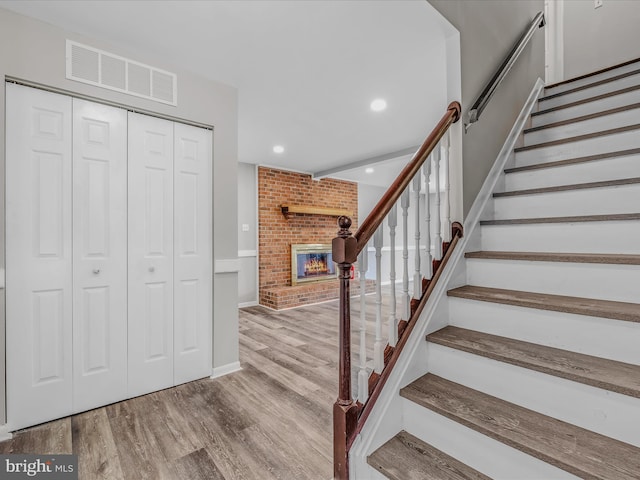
152, 269
96, 271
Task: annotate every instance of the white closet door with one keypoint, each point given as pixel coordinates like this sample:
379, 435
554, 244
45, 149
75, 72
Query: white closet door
192, 246
38, 264
150, 232
99, 255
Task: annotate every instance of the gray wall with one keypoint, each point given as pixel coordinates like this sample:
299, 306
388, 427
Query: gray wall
488, 30
368, 197
247, 240
595, 38
35, 51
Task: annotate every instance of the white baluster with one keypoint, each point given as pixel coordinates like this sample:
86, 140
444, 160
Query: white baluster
437, 237
406, 299
393, 319
428, 264
446, 141
417, 276
363, 375
378, 347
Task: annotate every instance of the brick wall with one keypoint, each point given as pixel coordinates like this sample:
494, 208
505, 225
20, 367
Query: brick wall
276, 233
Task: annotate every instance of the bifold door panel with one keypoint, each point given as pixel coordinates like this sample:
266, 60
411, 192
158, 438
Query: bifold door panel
38, 259
99, 254
192, 253
150, 254
108, 254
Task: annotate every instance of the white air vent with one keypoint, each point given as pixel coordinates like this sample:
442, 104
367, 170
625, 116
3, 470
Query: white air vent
103, 69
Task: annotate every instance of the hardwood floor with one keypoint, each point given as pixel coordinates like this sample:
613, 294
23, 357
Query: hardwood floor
272, 420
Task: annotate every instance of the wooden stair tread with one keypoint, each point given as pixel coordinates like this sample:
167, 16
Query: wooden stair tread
572, 219
582, 118
578, 138
594, 73
598, 372
407, 457
565, 188
572, 161
581, 452
625, 311
600, 258
586, 100
604, 81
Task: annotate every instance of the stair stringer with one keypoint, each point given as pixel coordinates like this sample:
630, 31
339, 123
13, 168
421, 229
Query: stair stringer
387, 417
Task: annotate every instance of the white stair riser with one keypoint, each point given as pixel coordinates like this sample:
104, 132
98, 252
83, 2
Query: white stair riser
581, 148
587, 108
602, 337
370, 474
597, 124
601, 411
593, 78
613, 168
590, 92
587, 280
585, 201
480, 452
578, 237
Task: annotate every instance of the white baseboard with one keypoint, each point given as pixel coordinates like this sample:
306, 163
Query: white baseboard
225, 370
248, 304
301, 306
5, 434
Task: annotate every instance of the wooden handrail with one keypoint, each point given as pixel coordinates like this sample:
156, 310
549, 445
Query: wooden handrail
347, 414
391, 196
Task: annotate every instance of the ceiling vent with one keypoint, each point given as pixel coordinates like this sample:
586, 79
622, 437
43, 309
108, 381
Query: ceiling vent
103, 69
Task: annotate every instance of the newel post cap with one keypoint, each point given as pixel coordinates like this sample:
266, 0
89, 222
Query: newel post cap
344, 246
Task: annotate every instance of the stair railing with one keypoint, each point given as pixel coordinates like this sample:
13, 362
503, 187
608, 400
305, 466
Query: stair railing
476, 110
425, 178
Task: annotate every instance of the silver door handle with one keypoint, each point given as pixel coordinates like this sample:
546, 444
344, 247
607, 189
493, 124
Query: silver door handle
96, 271
152, 269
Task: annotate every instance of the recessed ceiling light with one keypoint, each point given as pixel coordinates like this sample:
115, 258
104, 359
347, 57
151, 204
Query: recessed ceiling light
369, 170
278, 149
378, 105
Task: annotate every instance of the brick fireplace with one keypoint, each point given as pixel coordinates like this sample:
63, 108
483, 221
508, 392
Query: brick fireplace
277, 233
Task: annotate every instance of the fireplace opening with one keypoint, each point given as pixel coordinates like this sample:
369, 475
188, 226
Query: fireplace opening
311, 262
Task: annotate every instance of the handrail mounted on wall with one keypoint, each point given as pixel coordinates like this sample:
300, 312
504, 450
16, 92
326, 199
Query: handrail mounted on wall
476, 110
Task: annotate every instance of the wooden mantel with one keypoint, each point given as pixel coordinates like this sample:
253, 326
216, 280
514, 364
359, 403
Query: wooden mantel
312, 210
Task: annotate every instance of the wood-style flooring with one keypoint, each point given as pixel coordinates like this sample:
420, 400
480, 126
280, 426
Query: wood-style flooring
272, 420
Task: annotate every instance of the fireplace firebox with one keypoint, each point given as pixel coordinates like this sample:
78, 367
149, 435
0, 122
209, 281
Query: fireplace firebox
312, 262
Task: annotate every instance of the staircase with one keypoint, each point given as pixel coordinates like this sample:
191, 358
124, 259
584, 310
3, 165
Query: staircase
537, 373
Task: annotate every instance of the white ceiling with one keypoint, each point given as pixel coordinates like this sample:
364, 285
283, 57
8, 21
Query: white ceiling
306, 71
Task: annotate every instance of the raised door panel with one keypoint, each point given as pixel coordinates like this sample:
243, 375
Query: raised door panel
38, 256
150, 235
99, 254
192, 253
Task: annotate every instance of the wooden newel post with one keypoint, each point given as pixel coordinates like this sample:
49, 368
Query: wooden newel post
345, 410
